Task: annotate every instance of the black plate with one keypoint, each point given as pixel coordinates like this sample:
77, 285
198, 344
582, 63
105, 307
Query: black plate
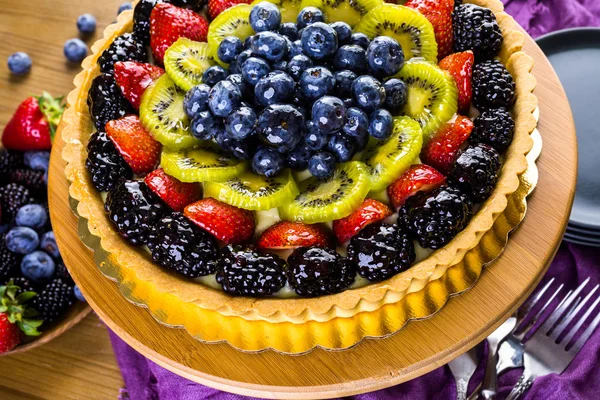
581, 241
583, 231
575, 55
579, 236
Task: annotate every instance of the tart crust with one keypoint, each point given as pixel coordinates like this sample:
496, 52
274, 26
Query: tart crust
195, 300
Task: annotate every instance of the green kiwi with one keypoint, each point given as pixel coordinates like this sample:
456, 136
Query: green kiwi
349, 11
432, 95
162, 113
387, 160
289, 8
206, 163
409, 27
330, 199
254, 192
185, 62
234, 21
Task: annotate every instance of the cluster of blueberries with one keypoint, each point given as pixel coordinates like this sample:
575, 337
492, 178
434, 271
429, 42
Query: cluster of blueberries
304, 95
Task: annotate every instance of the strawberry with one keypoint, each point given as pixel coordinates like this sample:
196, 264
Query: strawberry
168, 23
418, 178
439, 13
216, 7
173, 192
460, 66
369, 211
227, 223
290, 235
134, 77
33, 125
137, 147
441, 149
15, 316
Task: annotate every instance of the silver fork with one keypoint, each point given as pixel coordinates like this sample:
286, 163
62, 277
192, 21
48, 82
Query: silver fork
544, 353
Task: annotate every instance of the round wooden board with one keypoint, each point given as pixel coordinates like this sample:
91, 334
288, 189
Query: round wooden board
373, 364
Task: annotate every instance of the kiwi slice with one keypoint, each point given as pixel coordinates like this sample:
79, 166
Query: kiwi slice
387, 160
330, 199
234, 21
409, 27
348, 11
162, 113
289, 9
205, 163
186, 61
254, 192
432, 95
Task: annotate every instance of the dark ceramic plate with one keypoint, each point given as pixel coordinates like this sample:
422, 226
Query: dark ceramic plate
582, 241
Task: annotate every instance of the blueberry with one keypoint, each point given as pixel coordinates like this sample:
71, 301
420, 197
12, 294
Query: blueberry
265, 16
319, 41
343, 83
78, 294
37, 266
309, 15
238, 79
241, 123
329, 113
385, 56
343, 30
253, 69
48, 244
281, 126
381, 124
37, 160
32, 215
269, 45
241, 149
86, 23
196, 100
342, 147
267, 162
124, 6
368, 92
233, 68
360, 39
19, 63
297, 159
223, 98
4, 228
22, 240
280, 66
348, 102
316, 82
298, 64
229, 49
205, 126
352, 57
275, 87
75, 50
396, 94
321, 165
299, 99
315, 138
357, 122
244, 55
289, 30
213, 75
296, 48
248, 42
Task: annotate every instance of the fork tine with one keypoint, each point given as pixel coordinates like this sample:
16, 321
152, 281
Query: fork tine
529, 304
520, 333
580, 322
572, 313
559, 311
586, 335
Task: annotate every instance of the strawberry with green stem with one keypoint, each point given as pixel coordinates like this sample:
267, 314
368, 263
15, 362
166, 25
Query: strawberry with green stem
16, 316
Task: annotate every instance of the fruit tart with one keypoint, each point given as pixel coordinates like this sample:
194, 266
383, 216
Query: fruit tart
297, 161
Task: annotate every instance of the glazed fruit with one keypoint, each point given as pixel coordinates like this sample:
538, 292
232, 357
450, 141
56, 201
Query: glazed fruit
291, 235
370, 211
418, 178
32, 180
441, 151
186, 61
124, 48
476, 28
206, 163
9, 261
493, 86
104, 163
347, 11
106, 101
216, 7
495, 128
475, 171
229, 224
460, 66
12, 197
54, 300
439, 13
234, 21
133, 78
173, 192
141, 20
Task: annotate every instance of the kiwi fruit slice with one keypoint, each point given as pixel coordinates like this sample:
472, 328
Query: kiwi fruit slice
234, 21
387, 160
205, 163
254, 192
330, 199
409, 27
432, 95
162, 113
289, 9
348, 11
185, 62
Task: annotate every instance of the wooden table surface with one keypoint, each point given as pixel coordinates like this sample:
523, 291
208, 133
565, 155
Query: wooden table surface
79, 364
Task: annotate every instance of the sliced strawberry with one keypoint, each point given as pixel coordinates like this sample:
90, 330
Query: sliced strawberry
369, 211
216, 7
137, 147
227, 223
418, 178
172, 191
460, 66
440, 151
134, 77
439, 13
168, 23
290, 235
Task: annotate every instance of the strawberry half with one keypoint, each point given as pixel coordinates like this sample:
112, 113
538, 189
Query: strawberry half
168, 23
16, 316
227, 223
172, 191
134, 77
137, 147
370, 211
418, 178
290, 235
439, 13
460, 66
441, 150
216, 7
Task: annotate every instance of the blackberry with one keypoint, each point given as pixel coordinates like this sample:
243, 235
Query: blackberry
141, 20
54, 300
381, 251
314, 271
493, 86
62, 272
134, 209
9, 161
124, 48
195, 5
495, 128
476, 28
9, 262
106, 166
31, 179
435, 218
475, 171
245, 271
23, 283
106, 101
12, 197
177, 244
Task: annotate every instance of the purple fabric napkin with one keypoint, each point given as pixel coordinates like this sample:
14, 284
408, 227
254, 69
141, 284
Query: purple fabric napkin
145, 380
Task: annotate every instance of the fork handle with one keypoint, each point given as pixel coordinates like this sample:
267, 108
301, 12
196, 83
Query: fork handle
461, 389
523, 385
